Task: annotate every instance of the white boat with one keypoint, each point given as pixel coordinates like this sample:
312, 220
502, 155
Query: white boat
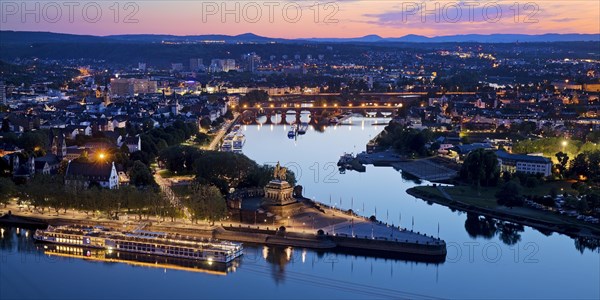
303, 128
227, 145
143, 242
234, 141
239, 140
293, 131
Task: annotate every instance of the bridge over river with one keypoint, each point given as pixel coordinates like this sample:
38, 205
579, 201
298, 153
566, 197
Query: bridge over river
316, 114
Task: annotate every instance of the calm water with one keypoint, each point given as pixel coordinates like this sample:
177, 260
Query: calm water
485, 259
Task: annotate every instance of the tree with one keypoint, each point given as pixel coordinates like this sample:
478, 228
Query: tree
205, 123
207, 202
33, 140
579, 166
45, 191
563, 159
582, 206
201, 138
5, 168
141, 156
481, 168
8, 189
254, 97
510, 195
140, 175
594, 165
124, 148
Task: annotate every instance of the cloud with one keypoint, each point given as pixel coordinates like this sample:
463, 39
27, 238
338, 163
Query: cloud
443, 13
565, 20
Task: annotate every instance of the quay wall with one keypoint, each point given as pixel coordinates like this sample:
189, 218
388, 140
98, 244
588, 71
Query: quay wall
436, 249
433, 251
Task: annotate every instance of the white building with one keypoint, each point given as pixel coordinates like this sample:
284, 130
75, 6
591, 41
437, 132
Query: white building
88, 174
529, 164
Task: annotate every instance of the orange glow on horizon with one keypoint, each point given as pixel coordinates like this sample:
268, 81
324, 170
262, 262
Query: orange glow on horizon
352, 19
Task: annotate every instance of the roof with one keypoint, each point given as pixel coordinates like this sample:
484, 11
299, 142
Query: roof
522, 157
132, 140
89, 170
39, 165
463, 149
49, 158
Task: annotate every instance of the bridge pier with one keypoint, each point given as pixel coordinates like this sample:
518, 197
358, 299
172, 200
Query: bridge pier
268, 121
283, 118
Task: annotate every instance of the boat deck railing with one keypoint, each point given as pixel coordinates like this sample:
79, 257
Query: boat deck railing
147, 237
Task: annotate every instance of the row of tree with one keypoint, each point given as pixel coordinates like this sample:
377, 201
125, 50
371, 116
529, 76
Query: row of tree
49, 192
552, 145
225, 170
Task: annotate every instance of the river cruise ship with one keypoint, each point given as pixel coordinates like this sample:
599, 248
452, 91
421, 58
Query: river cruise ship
144, 242
234, 141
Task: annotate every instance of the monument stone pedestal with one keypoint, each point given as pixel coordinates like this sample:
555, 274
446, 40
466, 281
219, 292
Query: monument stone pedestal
279, 200
279, 192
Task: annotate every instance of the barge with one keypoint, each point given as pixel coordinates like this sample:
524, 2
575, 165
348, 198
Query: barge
142, 242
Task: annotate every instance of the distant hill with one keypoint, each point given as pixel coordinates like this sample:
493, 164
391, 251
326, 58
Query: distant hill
151, 38
477, 38
499, 38
20, 37
49, 37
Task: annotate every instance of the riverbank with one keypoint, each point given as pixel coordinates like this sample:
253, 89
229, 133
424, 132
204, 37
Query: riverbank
367, 239
433, 169
520, 215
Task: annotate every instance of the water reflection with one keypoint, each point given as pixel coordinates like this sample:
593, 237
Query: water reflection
140, 260
278, 257
591, 244
18, 240
487, 228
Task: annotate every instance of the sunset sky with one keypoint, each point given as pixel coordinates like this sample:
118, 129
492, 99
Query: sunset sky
347, 18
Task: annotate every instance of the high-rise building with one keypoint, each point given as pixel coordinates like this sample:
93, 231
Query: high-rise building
250, 61
196, 64
176, 67
142, 66
132, 86
2, 92
222, 65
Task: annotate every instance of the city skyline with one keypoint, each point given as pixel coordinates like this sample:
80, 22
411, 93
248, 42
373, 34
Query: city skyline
298, 19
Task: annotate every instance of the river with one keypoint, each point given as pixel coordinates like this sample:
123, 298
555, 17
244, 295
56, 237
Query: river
486, 258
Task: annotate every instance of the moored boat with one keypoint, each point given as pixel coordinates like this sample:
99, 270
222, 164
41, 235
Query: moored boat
292, 132
143, 242
303, 128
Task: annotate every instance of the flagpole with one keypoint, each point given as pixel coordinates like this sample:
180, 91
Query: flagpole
399, 220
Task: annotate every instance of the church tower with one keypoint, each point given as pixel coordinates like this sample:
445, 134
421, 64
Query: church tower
106, 94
